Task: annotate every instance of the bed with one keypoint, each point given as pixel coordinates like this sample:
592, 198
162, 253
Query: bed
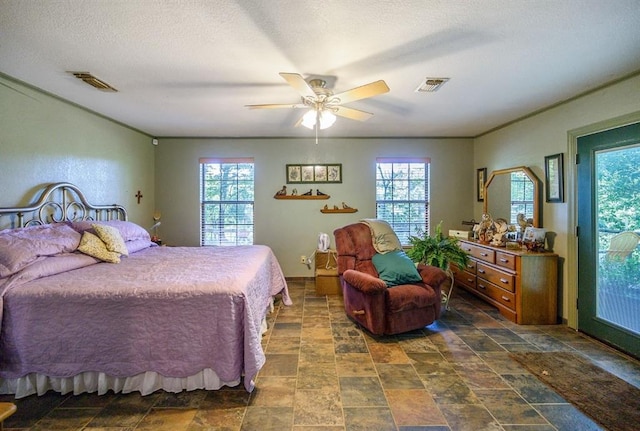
162, 318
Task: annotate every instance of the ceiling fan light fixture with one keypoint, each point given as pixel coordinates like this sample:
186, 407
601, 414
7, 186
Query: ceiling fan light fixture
429, 85
326, 119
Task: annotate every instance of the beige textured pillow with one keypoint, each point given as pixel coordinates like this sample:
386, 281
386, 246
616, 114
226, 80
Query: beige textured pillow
112, 238
93, 246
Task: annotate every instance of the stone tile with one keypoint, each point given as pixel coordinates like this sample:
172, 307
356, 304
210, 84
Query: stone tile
399, 376
430, 363
565, 417
481, 343
322, 375
314, 353
317, 407
66, 419
532, 389
355, 364
167, 419
368, 419
283, 345
449, 389
414, 407
508, 407
267, 419
503, 335
280, 365
469, 417
361, 392
388, 353
274, 392
125, 411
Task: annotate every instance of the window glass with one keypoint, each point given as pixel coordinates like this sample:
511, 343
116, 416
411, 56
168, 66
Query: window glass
402, 195
227, 201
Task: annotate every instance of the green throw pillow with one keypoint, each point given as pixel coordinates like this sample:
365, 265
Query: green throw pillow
395, 268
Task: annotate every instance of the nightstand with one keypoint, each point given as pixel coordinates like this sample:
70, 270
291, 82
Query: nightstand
326, 273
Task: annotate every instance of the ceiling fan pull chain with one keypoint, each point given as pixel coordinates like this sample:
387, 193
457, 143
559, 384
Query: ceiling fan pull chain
317, 125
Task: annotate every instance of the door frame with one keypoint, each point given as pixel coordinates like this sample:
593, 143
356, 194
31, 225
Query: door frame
571, 184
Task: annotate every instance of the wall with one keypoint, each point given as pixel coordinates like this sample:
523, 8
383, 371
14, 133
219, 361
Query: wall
527, 142
291, 227
44, 139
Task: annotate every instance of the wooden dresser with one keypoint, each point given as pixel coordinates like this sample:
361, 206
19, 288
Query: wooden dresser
522, 285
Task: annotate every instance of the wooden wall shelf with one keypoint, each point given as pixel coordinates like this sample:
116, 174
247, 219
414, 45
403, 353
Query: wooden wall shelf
339, 210
301, 197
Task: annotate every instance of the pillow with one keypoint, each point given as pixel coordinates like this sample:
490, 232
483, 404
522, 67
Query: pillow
128, 230
93, 246
20, 247
112, 238
395, 268
138, 244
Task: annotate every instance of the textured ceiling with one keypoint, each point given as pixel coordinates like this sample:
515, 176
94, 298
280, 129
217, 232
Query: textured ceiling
187, 68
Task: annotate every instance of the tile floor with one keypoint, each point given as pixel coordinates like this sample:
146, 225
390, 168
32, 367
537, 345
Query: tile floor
323, 373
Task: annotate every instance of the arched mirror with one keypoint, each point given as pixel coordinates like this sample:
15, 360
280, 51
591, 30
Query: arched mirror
509, 192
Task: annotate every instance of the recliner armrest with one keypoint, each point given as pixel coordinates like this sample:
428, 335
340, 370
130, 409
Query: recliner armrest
432, 275
364, 282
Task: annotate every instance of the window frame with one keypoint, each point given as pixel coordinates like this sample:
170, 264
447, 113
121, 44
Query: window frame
241, 233
412, 227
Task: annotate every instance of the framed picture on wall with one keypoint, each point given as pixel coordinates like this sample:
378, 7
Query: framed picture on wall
554, 178
481, 178
317, 173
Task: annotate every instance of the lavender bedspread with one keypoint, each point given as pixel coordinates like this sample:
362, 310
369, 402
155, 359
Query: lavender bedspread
172, 310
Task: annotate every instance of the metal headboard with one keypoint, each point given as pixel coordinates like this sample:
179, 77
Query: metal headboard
60, 202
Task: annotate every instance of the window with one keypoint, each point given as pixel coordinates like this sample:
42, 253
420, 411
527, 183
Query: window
226, 200
402, 195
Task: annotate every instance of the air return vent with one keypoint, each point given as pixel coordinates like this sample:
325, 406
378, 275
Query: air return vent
429, 85
93, 81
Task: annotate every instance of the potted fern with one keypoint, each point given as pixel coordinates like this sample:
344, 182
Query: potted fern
438, 250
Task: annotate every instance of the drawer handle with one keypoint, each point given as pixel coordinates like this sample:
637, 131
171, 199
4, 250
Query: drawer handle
484, 254
470, 266
481, 271
502, 280
504, 298
504, 260
469, 280
480, 286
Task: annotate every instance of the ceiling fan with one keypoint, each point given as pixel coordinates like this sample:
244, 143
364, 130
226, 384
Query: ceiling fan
322, 104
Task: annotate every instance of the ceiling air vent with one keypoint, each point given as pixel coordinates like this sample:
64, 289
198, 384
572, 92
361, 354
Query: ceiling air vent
93, 81
429, 85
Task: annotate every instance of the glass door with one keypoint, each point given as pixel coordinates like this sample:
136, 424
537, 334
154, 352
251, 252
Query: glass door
609, 237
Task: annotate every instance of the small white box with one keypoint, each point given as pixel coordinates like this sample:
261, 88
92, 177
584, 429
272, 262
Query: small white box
462, 234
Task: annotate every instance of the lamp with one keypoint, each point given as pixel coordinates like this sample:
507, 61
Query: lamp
325, 118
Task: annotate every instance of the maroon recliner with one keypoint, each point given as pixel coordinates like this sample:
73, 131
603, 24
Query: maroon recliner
367, 299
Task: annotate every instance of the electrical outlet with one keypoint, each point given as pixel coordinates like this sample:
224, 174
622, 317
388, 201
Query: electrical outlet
303, 260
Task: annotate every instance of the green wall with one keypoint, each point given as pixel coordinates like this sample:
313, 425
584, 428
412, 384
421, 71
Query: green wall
291, 227
44, 139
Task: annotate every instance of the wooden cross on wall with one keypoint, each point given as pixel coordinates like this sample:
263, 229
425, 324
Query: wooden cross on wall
139, 196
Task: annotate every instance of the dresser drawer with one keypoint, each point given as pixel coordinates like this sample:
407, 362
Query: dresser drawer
481, 253
505, 298
499, 278
506, 260
465, 278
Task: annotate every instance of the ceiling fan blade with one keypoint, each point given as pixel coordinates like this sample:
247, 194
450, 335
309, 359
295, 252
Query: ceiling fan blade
362, 92
352, 114
275, 106
299, 84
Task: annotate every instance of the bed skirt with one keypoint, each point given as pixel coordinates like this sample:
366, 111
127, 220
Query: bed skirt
93, 381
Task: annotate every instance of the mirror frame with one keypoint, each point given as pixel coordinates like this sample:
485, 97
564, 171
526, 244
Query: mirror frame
536, 190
